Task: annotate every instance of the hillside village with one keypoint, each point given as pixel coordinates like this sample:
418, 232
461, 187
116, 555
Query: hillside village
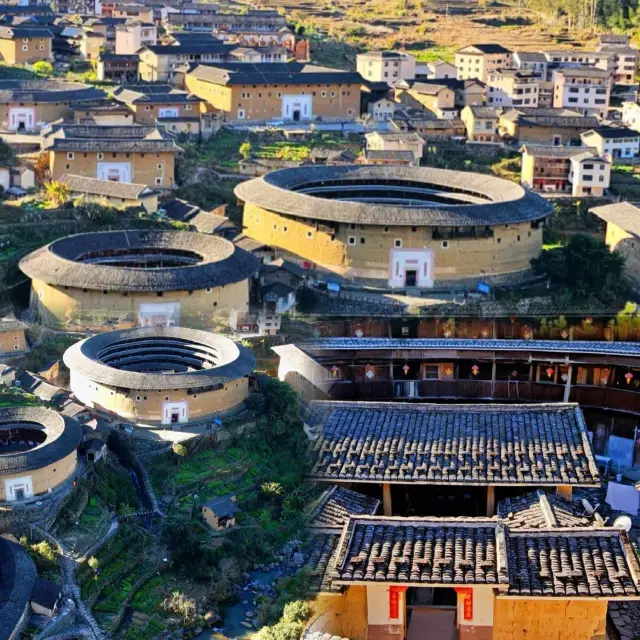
319, 321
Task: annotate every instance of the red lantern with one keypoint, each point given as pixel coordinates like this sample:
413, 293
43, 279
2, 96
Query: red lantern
475, 369
628, 376
405, 369
549, 372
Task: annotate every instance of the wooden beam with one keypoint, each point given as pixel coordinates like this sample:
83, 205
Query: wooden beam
564, 491
567, 386
386, 499
493, 378
491, 501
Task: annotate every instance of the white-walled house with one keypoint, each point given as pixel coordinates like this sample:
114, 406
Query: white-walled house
590, 175
613, 143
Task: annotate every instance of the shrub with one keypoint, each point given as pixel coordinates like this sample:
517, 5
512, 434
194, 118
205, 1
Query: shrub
43, 67
182, 606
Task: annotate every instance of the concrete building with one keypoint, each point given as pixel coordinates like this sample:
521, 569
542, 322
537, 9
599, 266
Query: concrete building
438, 99
613, 143
91, 44
531, 62
625, 63
381, 110
545, 126
133, 35
30, 105
148, 278
396, 142
555, 169
585, 89
161, 376
623, 235
138, 154
292, 92
120, 194
477, 61
39, 452
440, 70
386, 66
511, 88
25, 44
481, 123
379, 224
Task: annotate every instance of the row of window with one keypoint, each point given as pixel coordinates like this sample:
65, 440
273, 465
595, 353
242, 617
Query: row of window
71, 156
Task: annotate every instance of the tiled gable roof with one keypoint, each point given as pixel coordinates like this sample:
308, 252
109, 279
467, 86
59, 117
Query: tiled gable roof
571, 563
321, 562
337, 504
540, 510
422, 551
451, 444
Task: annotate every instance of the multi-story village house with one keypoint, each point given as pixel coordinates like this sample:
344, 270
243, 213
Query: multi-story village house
511, 88
477, 61
586, 89
291, 92
25, 44
614, 143
137, 154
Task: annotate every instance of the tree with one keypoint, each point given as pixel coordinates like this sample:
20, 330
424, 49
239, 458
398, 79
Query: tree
179, 450
57, 192
584, 267
245, 150
7, 155
43, 68
93, 563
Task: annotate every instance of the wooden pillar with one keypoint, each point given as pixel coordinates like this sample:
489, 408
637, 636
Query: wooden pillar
386, 499
494, 329
493, 377
567, 385
491, 501
564, 491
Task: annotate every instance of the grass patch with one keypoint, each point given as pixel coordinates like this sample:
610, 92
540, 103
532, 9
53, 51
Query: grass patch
433, 53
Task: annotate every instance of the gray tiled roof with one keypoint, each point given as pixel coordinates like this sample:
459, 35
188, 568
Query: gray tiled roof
540, 510
427, 551
321, 562
17, 576
47, 91
506, 202
63, 435
107, 188
272, 73
222, 506
623, 214
338, 503
555, 151
587, 563
451, 444
59, 263
98, 358
132, 138
556, 346
161, 94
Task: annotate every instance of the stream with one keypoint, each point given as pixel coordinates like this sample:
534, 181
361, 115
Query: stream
235, 614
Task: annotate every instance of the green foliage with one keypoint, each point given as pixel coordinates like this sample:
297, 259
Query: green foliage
293, 154
45, 556
115, 487
93, 563
179, 449
245, 150
181, 536
7, 155
584, 268
56, 192
178, 604
43, 68
296, 611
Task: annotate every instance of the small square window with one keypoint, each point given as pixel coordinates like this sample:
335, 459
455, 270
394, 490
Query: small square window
158, 181
363, 240
397, 242
67, 166
25, 47
100, 156
386, 229
285, 228
70, 155
15, 347
309, 234
445, 244
187, 107
208, 289
159, 167
166, 397
351, 240
137, 397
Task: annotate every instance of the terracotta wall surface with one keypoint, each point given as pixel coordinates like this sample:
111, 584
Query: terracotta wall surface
11, 51
629, 246
510, 249
148, 408
9, 340
546, 619
60, 304
343, 615
144, 166
46, 478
